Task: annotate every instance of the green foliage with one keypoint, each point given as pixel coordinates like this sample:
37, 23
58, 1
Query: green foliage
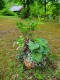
2, 4
26, 29
5, 11
22, 27
20, 41
19, 71
41, 41
57, 10
32, 25
34, 9
52, 57
57, 73
37, 57
32, 46
38, 75
38, 49
40, 44
26, 11
51, 9
23, 13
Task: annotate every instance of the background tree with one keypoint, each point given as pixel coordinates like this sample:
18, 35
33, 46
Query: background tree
26, 4
2, 4
45, 7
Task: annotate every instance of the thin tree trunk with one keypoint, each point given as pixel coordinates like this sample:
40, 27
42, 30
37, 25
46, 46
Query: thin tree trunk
45, 7
28, 7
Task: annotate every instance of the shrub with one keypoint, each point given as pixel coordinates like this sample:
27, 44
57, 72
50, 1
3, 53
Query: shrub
33, 50
23, 13
36, 10
5, 11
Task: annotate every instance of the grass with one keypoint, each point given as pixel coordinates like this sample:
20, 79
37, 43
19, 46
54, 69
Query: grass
10, 69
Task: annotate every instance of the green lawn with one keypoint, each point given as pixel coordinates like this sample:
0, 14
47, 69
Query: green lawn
10, 69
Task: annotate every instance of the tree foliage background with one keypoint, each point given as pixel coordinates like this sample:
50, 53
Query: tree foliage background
35, 8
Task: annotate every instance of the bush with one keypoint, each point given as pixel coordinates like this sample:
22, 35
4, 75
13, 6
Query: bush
5, 11
36, 10
33, 50
53, 10
23, 13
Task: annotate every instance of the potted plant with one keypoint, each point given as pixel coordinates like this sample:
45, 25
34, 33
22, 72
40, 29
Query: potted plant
33, 50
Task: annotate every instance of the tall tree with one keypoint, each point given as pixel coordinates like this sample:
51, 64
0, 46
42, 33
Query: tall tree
45, 7
2, 4
26, 4
28, 7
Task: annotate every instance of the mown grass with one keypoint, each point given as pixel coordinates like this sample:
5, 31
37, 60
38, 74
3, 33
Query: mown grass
10, 68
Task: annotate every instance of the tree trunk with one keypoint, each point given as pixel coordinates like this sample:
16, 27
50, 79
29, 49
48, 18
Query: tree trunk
28, 7
45, 7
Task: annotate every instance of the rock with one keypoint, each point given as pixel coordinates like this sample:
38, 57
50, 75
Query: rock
28, 64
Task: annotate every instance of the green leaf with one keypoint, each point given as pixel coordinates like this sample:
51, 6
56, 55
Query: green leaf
37, 57
32, 46
41, 42
41, 49
46, 51
32, 25
22, 27
20, 41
